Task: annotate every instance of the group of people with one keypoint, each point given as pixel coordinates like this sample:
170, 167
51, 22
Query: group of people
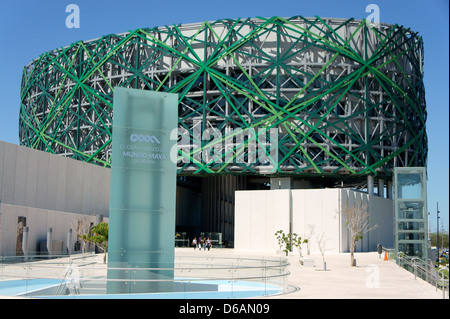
202, 242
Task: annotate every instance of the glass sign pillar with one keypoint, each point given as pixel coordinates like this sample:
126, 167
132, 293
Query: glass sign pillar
143, 192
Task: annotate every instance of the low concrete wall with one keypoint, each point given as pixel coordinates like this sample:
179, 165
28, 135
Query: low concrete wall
40, 190
39, 221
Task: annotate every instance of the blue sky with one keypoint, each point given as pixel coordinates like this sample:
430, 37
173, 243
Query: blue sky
30, 28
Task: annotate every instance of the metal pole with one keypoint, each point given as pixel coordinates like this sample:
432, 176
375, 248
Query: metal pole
437, 235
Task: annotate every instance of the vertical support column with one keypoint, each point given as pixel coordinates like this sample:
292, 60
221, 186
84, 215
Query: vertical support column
390, 190
381, 187
98, 219
49, 241
370, 184
25, 241
69, 241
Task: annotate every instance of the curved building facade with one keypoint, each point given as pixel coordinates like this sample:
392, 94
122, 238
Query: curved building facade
291, 97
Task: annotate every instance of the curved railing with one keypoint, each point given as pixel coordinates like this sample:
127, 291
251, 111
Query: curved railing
86, 275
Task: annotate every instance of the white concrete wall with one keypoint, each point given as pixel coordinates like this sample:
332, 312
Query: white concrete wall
42, 180
381, 213
317, 209
50, 191
259, 214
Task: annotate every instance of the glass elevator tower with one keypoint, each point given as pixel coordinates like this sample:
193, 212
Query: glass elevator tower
410, 221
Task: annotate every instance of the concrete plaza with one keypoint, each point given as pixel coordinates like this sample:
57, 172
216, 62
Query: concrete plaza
372, 278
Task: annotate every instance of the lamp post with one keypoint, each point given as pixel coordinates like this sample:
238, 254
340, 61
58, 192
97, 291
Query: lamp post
437, 235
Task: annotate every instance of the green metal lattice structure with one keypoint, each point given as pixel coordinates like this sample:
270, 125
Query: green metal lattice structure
345, 98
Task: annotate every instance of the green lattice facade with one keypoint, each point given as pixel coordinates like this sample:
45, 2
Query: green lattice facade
344, 97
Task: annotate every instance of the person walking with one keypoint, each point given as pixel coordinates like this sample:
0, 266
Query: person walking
194, 243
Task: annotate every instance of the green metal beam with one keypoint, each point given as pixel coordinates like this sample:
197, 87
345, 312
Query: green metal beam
346, 97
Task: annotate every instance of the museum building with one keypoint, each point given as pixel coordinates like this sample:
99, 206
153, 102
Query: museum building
282, 123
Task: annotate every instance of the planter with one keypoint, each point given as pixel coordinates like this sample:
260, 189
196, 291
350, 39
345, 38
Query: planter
306, 262
283, 253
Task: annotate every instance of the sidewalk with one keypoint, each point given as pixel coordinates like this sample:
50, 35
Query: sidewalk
372, 278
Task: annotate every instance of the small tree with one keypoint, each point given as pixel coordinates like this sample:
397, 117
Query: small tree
98, 236
357, 222
282, 241
286, 240
308, 238
298, 242
321, 242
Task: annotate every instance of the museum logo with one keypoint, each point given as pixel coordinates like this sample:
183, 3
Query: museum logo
144, 138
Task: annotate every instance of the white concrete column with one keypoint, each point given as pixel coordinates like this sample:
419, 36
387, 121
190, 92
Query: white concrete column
381, 187
25, 241
69, 241
98, 219
370, 184
49, 241
390, 190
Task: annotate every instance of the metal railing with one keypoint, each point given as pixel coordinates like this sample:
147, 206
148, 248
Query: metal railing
82, 275
425, 270
444, 282
69, 276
